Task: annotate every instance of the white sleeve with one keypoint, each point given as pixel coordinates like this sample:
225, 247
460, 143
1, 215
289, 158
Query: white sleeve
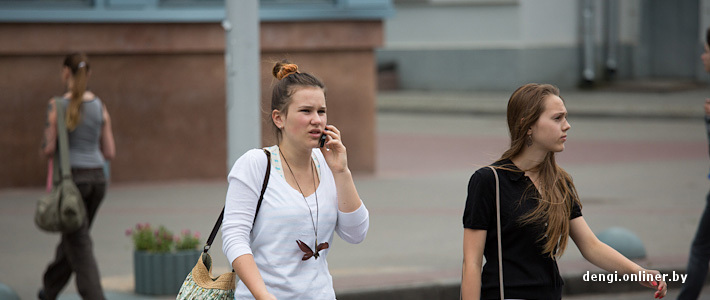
245, 181
352, 227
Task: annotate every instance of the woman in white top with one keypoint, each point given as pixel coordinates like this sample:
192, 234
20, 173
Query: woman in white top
310, 194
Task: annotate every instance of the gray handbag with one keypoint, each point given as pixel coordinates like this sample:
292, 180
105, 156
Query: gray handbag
63, 209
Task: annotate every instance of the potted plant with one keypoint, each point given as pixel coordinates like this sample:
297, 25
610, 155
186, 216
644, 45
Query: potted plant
162, 260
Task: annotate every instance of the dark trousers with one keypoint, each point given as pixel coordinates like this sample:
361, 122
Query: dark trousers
75, 252
699, 258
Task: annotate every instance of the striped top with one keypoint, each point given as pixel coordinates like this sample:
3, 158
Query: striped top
283, 219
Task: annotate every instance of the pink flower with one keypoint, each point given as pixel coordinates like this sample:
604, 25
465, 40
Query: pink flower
197, 234
129, 231
185, 232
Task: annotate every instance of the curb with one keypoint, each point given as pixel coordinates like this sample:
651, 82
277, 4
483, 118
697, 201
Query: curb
574, 285
429, 291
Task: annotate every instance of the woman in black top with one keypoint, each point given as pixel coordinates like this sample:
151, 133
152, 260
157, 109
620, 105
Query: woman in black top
539, 209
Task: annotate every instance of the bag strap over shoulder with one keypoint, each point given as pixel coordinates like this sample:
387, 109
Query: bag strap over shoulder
218, 224
500, 249
63, 141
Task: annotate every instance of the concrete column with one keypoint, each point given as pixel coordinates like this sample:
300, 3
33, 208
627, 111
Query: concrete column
588, 16
242, 66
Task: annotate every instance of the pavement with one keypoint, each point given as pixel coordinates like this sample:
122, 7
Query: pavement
639, 158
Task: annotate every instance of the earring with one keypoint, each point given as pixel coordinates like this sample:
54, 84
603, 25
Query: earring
528, 140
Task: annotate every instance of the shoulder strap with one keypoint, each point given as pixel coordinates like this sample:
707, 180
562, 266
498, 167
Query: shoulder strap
258, 205
63, 139
263, 186
500, 249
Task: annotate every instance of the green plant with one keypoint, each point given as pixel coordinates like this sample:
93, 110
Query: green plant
187, 240
161, 240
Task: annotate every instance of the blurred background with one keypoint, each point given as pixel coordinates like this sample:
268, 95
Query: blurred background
419, 89
155, 60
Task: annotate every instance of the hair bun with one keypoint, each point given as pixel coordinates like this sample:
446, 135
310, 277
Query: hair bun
283, 69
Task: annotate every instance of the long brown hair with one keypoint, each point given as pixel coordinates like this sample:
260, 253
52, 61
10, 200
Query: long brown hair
78, 64
557, 191
290, 79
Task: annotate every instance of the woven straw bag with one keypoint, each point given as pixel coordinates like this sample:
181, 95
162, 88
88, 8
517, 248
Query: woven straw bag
200, 284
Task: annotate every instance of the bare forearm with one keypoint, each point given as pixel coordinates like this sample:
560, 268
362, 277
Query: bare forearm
108, 148
348, 198
605, 257
49, 144
249, 274
473, 246
471, 283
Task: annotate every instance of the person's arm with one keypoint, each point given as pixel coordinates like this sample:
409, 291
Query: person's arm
479, 214
249, 274
49, 143
605, 257
245, 182
353, 217
108, 148
474, 241
336, 156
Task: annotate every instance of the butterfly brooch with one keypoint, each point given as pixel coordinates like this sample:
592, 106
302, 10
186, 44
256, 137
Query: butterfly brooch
308, 251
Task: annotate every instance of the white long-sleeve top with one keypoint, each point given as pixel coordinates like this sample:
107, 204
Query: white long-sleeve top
284, 218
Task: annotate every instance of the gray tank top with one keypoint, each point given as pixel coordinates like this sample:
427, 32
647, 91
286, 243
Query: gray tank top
84, 140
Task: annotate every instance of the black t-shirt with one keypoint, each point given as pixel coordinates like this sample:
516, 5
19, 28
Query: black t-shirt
527, 272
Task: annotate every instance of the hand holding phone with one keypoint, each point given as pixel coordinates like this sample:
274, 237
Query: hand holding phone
323, 137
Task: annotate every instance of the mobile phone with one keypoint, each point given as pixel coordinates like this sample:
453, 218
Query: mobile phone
321, 143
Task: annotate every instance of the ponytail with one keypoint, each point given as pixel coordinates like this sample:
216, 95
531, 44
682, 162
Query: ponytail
79, 66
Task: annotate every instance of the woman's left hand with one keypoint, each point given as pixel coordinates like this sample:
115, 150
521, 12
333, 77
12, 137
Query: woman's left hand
659, 285
334, 150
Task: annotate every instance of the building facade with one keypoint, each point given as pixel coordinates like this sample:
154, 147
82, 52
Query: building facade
159, 66
500, 44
